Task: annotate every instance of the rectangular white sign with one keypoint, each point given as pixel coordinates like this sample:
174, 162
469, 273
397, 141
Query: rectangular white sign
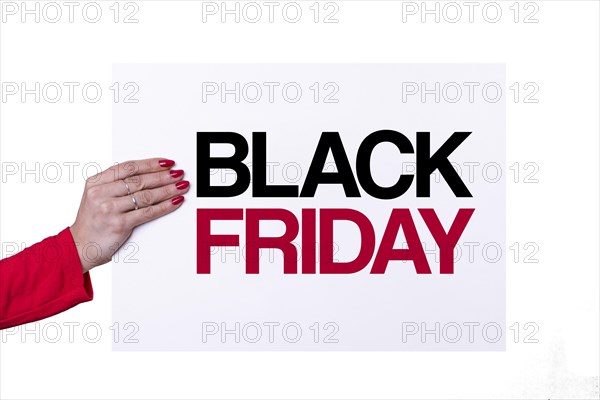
375, 158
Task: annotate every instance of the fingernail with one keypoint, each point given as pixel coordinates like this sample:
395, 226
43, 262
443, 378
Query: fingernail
182, 185
177, 200
176, 173
166, 163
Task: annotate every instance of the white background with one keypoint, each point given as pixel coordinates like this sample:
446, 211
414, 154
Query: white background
560, 213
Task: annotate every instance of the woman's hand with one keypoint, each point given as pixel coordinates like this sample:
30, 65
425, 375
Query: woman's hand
117, 200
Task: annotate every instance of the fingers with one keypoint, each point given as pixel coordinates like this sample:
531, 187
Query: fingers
130, 168
149, 197
145, 181
107, 216
146, 214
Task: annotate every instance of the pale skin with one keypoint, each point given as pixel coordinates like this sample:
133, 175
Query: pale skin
107, 214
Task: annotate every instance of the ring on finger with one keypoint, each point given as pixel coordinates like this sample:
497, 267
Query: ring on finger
127, 186
134, 201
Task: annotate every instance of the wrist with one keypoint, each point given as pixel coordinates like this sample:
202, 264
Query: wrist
80, 245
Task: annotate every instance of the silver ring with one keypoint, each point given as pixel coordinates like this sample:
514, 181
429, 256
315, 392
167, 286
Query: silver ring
127, 186
135, 204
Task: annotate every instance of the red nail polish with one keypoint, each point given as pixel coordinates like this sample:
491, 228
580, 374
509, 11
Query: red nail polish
182, 185
176, 173
177, 200
166, 163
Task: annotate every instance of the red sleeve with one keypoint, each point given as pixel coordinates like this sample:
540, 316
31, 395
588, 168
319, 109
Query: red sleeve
42, 280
